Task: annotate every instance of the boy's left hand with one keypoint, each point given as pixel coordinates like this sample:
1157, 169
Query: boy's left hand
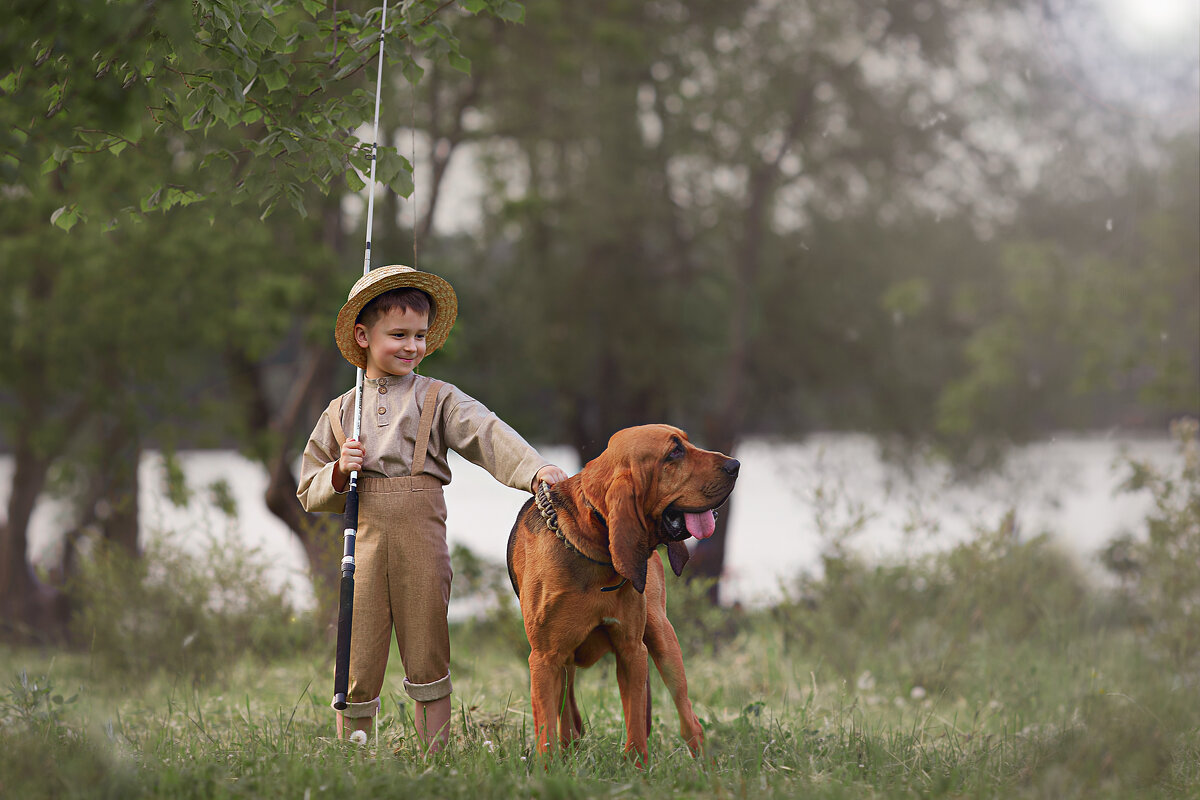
550, 474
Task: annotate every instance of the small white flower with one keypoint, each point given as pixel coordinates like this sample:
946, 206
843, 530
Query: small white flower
917, 693
359, 737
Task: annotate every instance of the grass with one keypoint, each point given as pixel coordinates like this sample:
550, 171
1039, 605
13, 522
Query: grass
992, 670
1088, 716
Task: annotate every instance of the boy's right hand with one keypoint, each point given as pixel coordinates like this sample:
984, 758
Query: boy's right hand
351, 460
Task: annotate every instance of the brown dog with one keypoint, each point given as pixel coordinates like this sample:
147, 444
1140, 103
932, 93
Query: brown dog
582, 561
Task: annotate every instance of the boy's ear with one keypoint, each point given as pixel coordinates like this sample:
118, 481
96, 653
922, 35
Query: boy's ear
360, 334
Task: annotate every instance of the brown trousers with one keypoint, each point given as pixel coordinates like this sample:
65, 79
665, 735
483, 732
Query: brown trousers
401, 580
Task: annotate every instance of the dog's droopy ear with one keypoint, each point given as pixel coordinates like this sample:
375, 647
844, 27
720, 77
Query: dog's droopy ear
678, 555
627, 540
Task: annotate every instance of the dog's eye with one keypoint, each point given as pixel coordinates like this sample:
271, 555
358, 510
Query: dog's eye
676, 452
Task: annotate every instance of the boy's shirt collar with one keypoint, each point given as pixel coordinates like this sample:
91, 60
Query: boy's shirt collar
390, 380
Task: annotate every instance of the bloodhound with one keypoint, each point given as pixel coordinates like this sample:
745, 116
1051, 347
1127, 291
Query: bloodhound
582, 559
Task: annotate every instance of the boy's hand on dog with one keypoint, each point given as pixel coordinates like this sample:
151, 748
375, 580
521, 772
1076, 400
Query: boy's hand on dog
351, 460
550, 474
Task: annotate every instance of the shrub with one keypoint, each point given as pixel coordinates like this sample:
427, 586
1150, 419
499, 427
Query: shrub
995, 586
190, 615
1161, 568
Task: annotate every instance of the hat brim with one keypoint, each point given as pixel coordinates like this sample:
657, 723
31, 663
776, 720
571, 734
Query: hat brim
384, 279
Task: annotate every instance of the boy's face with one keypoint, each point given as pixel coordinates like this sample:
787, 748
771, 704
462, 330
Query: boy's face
395, 343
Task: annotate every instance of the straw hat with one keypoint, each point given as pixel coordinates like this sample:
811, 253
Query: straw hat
384, 279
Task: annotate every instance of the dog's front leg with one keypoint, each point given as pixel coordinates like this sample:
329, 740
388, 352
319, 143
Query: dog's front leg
663, 644
632, 672
546, 691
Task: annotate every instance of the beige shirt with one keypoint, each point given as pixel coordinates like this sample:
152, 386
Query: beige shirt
391, 415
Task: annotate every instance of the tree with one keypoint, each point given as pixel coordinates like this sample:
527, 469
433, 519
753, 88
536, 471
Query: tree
229, 101
660, 172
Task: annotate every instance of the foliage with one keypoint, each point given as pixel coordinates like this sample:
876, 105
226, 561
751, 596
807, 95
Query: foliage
34, 704
1080, 715
1090, 308
284, 78
927, 612
188, 614
1161, 565
990, 671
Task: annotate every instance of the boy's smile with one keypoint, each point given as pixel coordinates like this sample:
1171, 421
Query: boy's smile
395, 343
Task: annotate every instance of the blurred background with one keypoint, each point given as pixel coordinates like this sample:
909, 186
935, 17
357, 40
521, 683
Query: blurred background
915, 263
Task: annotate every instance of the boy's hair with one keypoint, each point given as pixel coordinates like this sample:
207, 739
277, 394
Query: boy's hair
405, 298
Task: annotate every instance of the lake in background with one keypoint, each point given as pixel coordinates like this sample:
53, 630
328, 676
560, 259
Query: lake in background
1067, 486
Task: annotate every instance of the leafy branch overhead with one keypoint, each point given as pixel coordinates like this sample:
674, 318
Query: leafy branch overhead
257, 100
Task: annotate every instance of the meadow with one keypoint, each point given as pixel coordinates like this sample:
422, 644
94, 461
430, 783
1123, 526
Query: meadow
993, 669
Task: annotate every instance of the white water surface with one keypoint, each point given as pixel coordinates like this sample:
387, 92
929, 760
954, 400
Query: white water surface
787, 493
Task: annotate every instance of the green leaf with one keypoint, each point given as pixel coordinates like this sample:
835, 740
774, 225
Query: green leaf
508, 10
459, 62
473, 6
413, 72
276, 79
65, 217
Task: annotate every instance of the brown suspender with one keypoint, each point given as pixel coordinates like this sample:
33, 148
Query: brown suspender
422, 445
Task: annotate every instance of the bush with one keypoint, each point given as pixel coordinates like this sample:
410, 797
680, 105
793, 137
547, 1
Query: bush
995, 587
190, 615
1161, 568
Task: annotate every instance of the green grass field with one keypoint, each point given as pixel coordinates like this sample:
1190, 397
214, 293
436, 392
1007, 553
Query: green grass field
992, 670
1081, 713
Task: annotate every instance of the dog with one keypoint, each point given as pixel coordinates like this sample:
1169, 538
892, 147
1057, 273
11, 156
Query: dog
583, 560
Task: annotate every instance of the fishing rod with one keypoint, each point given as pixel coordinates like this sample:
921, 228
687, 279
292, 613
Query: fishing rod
341, 670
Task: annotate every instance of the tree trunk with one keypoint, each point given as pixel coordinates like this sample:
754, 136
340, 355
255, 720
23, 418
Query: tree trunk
29, 608
313, 530
114, 503
724, 428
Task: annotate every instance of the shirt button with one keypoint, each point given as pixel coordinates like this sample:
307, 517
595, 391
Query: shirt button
383, 390
381, 382
382, 410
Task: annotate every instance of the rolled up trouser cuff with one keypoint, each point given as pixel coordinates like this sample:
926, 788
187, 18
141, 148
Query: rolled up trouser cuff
359, 710
428, 692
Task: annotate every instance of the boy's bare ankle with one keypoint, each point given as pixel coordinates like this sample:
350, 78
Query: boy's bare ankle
348, 726
432, 721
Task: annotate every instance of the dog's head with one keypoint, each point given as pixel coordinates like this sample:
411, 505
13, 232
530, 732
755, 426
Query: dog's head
654, 487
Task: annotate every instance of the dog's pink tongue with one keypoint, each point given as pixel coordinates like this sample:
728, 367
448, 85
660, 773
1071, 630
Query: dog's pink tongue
701, 525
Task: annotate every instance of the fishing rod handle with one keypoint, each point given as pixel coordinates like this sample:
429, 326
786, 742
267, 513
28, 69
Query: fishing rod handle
341, 669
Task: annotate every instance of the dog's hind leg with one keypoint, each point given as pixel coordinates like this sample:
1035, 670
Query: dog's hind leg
546, 692
649, 704
570, 721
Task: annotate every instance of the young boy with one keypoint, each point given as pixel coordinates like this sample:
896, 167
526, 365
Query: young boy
395, 316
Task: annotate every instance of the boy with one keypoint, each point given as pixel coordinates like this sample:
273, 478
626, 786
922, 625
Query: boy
393, 318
